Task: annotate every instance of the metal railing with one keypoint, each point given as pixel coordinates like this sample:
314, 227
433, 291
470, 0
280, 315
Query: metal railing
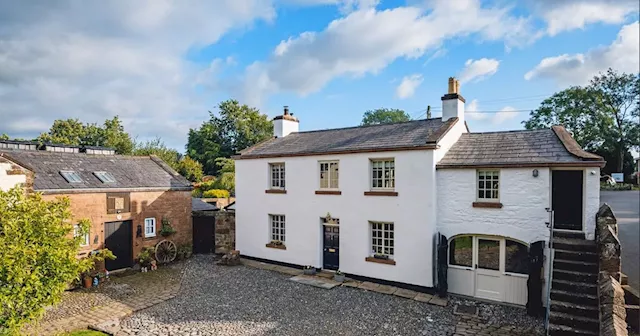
550, 270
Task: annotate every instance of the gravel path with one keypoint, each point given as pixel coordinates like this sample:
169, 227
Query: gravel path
217, 300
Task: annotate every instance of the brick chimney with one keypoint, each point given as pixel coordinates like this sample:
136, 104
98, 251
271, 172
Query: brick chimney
285, 124
453, 102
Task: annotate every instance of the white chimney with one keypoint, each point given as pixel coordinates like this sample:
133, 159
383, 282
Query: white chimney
453, 102
285, 124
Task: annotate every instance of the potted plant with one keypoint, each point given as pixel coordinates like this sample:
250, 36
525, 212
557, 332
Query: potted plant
339, 276
145, 257
309, 270
96, 260
381, 256
276, 242
166, 229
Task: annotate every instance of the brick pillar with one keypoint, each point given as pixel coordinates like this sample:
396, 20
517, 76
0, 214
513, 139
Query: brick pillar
608, 243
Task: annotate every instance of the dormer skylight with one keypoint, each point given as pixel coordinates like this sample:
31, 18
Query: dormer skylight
71, 176
105, 177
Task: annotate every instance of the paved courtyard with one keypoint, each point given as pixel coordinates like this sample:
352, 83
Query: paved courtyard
241, 300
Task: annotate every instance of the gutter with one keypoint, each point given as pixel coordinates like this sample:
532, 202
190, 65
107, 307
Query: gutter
109, 190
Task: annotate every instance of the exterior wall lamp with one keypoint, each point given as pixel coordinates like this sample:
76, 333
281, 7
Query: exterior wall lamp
535, 173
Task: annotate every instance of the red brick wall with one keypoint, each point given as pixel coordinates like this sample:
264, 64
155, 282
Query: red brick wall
174, 205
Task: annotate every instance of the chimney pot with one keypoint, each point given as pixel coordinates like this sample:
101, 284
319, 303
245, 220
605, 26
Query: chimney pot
286, 110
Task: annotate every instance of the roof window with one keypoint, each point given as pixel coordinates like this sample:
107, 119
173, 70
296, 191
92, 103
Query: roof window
104, 177
71, 176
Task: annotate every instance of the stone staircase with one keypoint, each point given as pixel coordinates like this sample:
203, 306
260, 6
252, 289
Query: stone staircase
574, 291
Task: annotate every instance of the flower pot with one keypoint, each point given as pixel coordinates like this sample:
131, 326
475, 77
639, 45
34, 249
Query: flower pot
309, 271
87, 282
338, 277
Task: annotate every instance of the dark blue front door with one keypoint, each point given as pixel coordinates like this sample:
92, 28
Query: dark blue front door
331, 251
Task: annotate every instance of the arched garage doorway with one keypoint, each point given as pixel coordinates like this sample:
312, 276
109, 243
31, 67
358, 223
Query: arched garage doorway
488, 267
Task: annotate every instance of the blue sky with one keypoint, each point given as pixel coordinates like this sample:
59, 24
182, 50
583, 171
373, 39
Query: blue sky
161, 65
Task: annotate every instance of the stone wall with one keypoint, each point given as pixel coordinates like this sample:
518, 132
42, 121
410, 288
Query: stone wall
225, 231
610, 292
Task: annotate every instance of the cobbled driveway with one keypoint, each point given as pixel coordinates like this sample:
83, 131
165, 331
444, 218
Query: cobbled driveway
218, 300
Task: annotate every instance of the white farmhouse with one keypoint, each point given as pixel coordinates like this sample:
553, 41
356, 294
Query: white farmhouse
421, 204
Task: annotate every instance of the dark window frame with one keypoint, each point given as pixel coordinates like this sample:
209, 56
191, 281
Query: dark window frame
111, 203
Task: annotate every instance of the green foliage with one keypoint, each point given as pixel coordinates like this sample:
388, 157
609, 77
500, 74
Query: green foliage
3, 136
384, 116
84, 333
37, 256
166, 229
184, 251
216, 193
603, 116
73, 132
190, 168
234, 128
196, 192
145, 256
157, 147
616, 187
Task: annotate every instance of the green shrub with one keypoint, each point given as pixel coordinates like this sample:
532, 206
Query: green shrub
616, 187
204, 186
196, 193
166, 229
145, 256
185, 251
37, 256
216, 193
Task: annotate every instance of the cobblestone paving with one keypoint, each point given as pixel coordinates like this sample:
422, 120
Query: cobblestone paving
115, 299
218, 300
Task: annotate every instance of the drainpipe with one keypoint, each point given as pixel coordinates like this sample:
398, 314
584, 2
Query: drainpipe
550, 277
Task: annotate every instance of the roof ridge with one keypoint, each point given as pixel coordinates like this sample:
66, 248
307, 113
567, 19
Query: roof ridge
45, 152
512, 131
365, 126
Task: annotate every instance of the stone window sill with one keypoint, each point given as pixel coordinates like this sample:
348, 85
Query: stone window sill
275, 191
274, 246
381, 193
328, 192
380, 261
493, 205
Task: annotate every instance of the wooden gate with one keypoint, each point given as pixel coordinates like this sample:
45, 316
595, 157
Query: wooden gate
118, 239
204, 228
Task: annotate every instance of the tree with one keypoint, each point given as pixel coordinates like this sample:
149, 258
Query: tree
37, 256
4, 137
158, 148
602, 116
74, 132
190, 168
235, 128
384, 116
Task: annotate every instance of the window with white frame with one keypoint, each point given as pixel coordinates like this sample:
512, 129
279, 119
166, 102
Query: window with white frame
382, 239
488, 185
277, 228
277, 175
77, 232
149, 227
329, 175
383, 174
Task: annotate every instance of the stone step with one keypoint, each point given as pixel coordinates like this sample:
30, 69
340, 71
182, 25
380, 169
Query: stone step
568, 234
576, 266
579, 298
572, 308
576, 255
561, 330
574, 244
574, 321
589, 277
575, 287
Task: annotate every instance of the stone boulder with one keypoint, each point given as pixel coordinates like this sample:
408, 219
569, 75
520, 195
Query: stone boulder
230, 259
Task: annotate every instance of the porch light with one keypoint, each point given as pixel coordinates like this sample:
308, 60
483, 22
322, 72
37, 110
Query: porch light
535, 173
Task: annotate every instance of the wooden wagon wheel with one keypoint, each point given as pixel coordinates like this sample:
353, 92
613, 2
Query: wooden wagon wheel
166, 251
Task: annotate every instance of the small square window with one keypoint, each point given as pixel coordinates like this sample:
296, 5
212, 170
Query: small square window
277, 175
149, 227
329, 175
277, 223
383, 174
105, 177
71, 176
488, 185
382, 241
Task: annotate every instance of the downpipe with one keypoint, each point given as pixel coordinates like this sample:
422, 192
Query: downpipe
550, 276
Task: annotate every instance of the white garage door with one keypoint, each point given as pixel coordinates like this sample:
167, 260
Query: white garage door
488, 267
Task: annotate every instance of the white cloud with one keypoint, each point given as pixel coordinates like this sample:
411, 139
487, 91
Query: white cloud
367, 40
621, 54
408, 86
345, 6
478, 70
568, 15
470, 110
67, 59
506, 113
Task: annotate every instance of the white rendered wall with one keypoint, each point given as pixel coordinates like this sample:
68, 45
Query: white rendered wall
592, 200
412, 212
283, 127
452, 108
9, 181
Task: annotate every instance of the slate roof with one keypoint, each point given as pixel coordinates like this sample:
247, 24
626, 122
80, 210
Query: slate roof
129, 171
411, 134
198, 204
545, 147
